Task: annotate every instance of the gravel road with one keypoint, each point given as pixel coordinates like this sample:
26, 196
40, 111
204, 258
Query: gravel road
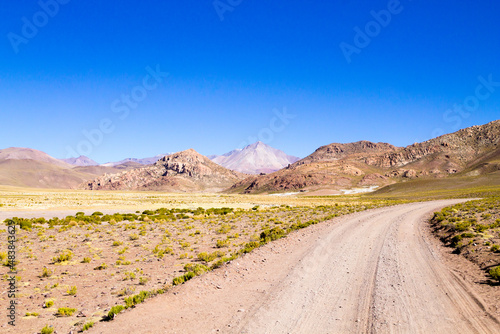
371, 272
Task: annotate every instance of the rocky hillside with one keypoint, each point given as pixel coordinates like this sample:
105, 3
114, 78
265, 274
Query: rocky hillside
255, 159
470, 151
182, 171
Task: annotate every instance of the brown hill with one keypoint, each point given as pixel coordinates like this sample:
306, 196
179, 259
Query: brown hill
21, 153
473, 150
24, 167
182, 171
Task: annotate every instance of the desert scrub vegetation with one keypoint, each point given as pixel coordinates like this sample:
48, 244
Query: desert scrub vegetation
47, 330
472, 229
65, 311
197, 240
87, 326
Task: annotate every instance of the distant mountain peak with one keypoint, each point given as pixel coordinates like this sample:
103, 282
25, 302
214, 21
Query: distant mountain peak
255, 158
80, 161
143, 161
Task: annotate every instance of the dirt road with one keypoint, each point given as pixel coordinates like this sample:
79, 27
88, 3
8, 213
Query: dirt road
371, 272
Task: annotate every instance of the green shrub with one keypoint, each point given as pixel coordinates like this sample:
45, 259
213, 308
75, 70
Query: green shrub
65, 311
47, 330
456, 240
65, 255
136, 299
87, 326
48, 303
114, 311
32, 314
101, 267
197, 268
481, 228
495, 249
495, 273
184, 278
46, 272
72, 291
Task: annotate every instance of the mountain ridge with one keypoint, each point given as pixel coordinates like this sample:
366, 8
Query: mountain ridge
363, 163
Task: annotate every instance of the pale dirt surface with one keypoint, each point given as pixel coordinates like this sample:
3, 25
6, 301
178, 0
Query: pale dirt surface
377, 271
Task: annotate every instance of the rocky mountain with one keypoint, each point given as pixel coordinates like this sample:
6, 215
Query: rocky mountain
182, 171
470, 151
80, 161
143, 161
255, 159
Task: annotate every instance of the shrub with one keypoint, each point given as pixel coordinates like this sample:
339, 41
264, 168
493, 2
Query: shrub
101, 267
495, 273
65, 311
86, 260
47, 330
46, 272
184, 278
87, 326
65, 255
495, 249
222, 243
143, 280
481, 228
48, 303
32, 314
456, 240
117, 243
72, 291
197, 268
136, 299
206, 257
114, 311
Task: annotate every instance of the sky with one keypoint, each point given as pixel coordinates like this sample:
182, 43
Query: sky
116, 79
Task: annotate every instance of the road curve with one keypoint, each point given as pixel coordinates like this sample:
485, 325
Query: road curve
369, 272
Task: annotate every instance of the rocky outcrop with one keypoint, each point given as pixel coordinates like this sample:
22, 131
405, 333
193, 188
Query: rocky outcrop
182, 171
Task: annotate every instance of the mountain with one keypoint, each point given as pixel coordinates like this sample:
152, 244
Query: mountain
255, 159
471, 151
143, 161
183, 171
25, 167
21, 153
80, 161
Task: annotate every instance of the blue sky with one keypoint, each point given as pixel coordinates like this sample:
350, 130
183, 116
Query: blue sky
76, 77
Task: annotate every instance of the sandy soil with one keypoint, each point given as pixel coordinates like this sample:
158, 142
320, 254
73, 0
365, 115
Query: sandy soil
377, 271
